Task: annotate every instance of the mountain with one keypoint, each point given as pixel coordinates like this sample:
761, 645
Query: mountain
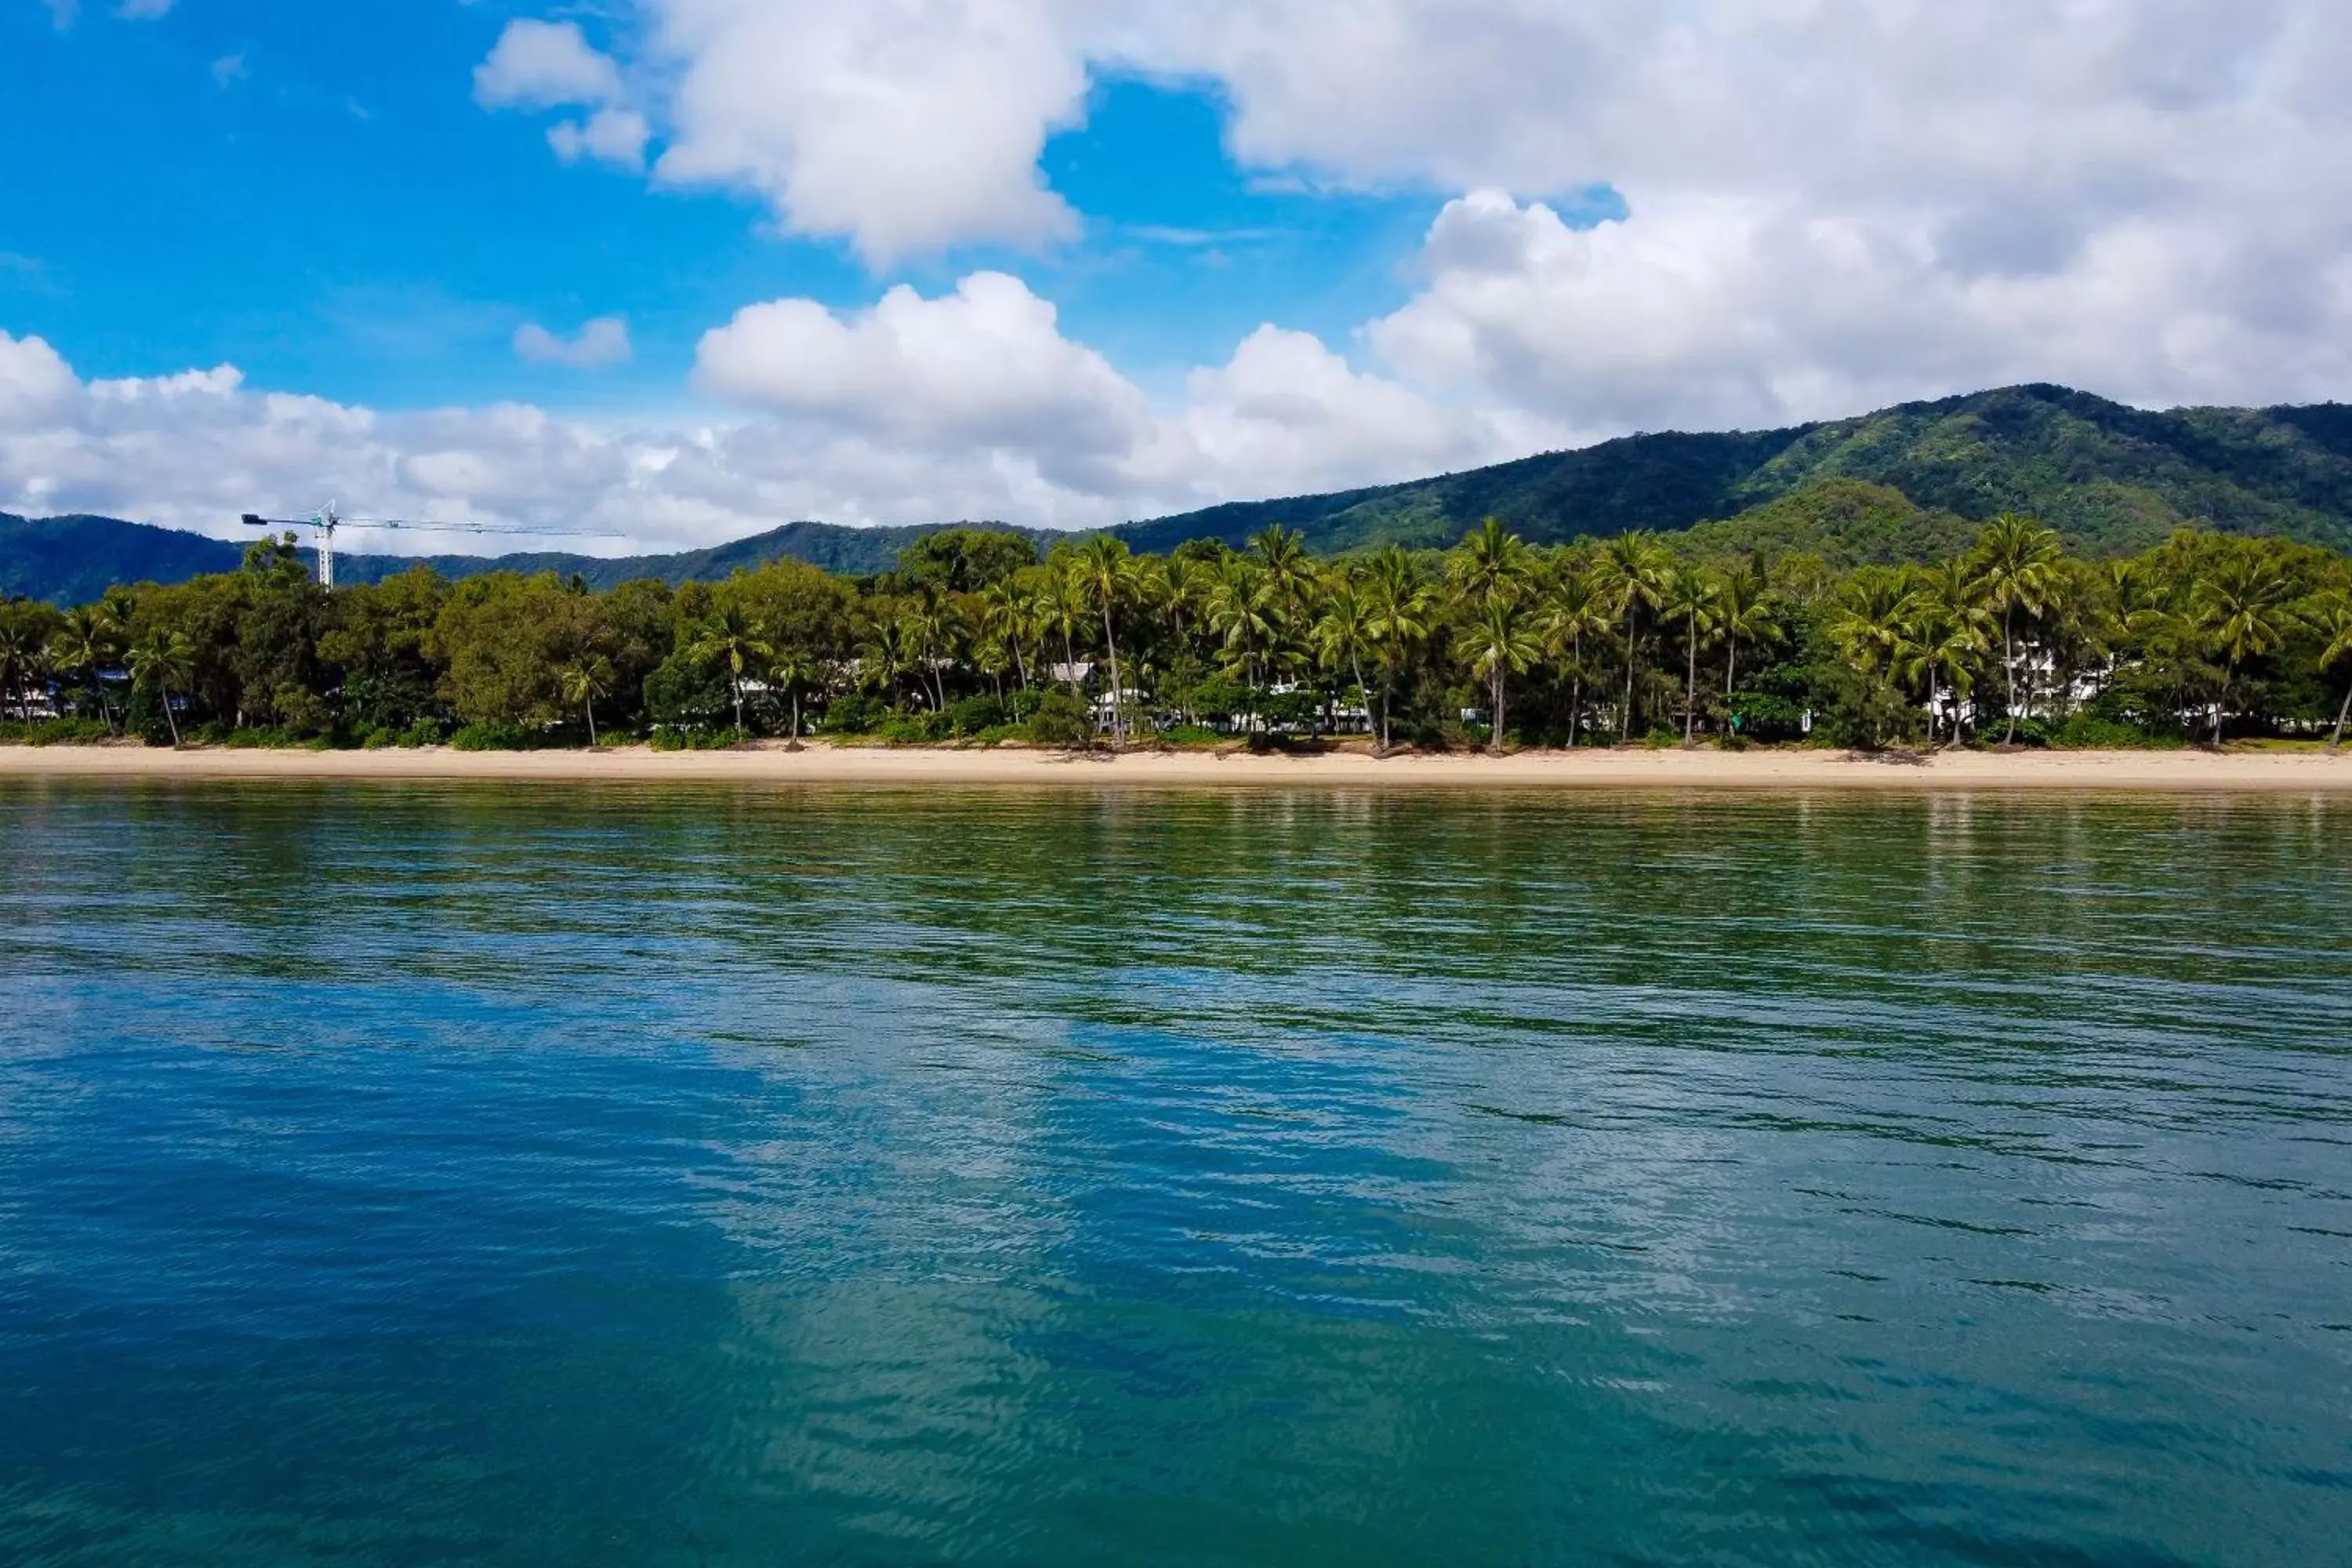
1905, 483
2113, 479
855, 552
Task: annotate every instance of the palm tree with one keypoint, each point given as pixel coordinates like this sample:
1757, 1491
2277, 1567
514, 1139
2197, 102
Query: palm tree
1282, 552
1500, 644
1001, 618
1344, 635
931, 623
1744, 612
1689, 596
2243, 607
85, 643
1870, 621
1109, 577
2332, 619
733, 640
1572, 611
20, 659
164, 660
1488, 564
1635, 567
792, 667
1396, 619
884, 655
583, 680
2016, 560
1952, 630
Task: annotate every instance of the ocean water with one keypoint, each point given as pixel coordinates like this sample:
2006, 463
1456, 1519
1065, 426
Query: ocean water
409, 1174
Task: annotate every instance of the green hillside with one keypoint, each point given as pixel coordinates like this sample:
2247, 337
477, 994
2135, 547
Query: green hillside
2111, 478
1904, 483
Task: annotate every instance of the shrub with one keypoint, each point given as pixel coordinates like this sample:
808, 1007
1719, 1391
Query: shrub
997, 734
52, 732
497, 738
2090, 732
851, 713
424, 732
1061, 720
971, 715
673, 738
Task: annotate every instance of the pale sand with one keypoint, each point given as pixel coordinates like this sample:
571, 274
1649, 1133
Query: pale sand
820, 763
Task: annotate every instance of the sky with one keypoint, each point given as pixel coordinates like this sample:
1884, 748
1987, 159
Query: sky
680, 270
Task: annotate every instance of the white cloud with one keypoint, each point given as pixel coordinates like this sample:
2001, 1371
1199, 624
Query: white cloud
604, 341
970, 404
229, 69
142, 10
986, 366
2155, 195
615, 136
544, 65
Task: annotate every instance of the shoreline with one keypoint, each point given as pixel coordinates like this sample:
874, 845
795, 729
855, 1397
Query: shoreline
819, 764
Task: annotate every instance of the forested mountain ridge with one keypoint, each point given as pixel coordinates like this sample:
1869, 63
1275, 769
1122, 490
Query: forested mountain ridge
1900, 484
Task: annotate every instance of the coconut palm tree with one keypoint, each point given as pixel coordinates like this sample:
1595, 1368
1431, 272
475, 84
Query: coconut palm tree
1490, 563
2332, 619
163, 660
931, 624
2242, 605
1282, 553
1951, 630
1573, 609
1871, 620
792, 667
583, 680
735, 641
1109, 573
1689, 596
1344, 633
1633, 570
1396, 619
884, 655
85, 643
21, 659
1744, 614
2016, 561
1004, 621
1499, 644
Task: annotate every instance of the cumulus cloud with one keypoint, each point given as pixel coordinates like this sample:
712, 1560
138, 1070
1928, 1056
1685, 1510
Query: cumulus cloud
1827, 199
615, 136
604, 341
902, 125
986, 366
544, 65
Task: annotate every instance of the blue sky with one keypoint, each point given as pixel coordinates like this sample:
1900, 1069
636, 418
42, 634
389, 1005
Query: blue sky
1064, 264
311, 193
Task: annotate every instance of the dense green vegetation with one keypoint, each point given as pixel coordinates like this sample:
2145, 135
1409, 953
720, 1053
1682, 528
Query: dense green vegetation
1906, 484
972, 637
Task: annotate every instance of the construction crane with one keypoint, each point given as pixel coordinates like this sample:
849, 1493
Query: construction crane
326, 519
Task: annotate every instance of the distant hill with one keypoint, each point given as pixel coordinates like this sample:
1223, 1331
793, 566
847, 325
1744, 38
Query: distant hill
1905, 483
2113, 479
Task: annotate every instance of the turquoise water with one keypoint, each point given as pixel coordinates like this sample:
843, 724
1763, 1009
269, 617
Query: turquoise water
458, 1175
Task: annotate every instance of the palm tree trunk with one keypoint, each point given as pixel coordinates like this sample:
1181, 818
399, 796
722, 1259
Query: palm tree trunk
173, 720
2336, 742
2009, 670
735, 684
1356, 663
1117, 693
588, 707
2221, 703
1933, 693
796, 711
1633, 642
1495, 743
1388, 698
1690, 685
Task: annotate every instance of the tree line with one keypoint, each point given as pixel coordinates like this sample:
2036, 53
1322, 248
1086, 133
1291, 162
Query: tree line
972, 636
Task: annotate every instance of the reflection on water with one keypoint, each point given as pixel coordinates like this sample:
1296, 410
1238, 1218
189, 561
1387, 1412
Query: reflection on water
449, 1174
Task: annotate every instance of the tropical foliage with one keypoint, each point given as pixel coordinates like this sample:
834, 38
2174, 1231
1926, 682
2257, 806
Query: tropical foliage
973, 637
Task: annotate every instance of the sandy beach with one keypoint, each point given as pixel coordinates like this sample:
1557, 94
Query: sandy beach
821, 764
